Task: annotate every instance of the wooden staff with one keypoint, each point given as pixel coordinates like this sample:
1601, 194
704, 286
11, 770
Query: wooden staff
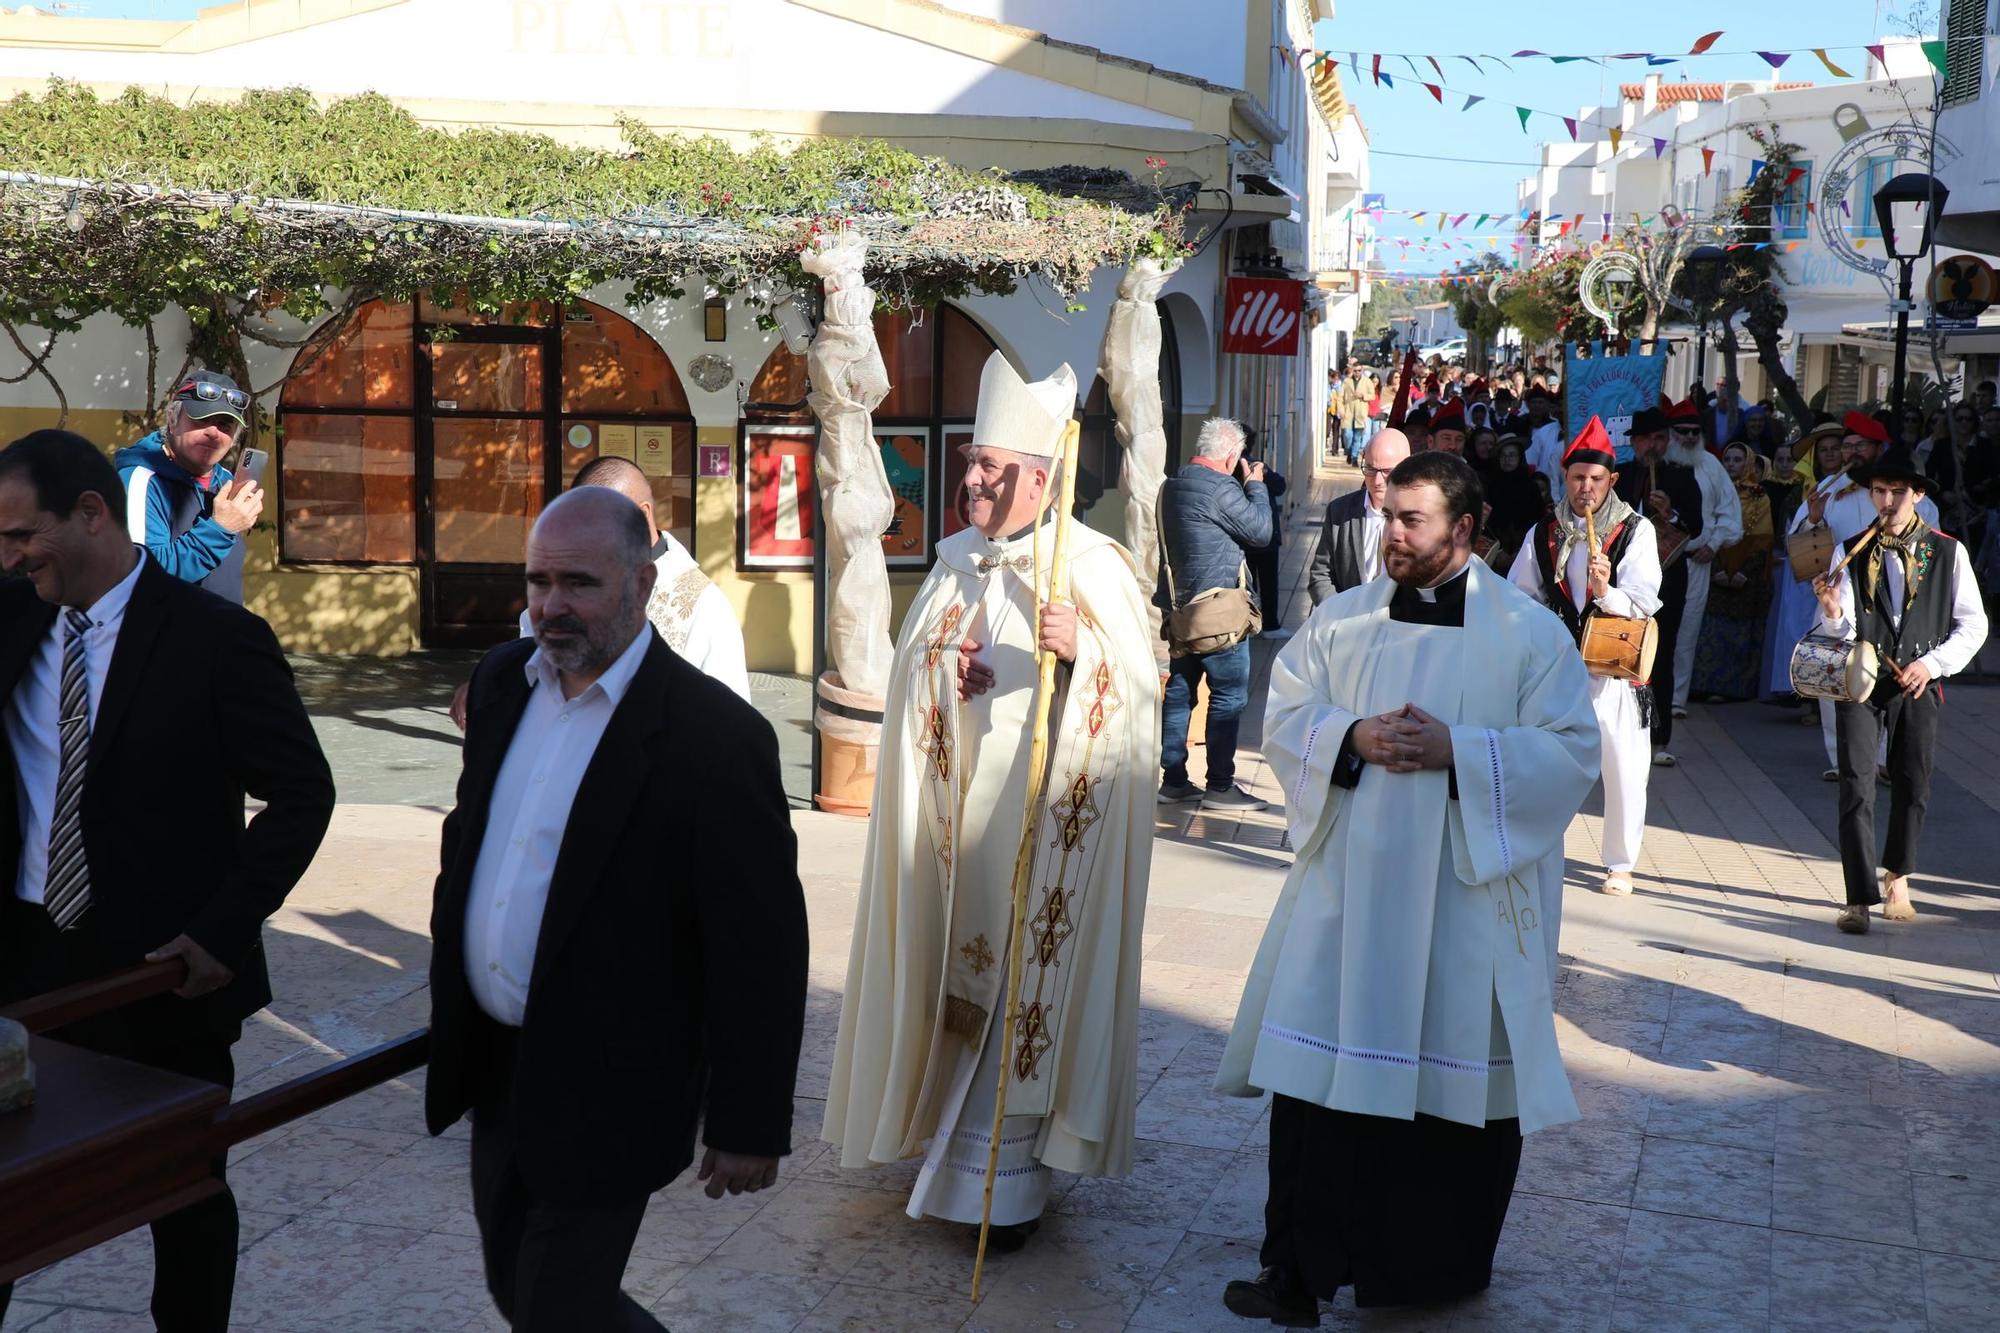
1024, 855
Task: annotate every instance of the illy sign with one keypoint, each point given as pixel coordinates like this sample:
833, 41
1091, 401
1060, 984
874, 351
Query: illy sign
1263, 316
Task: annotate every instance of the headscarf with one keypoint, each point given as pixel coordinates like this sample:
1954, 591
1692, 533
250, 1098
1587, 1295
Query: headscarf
1750, 493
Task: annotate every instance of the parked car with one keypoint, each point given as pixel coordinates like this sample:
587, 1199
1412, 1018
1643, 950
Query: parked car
1451, 349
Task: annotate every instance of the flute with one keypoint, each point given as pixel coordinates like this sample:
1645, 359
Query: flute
1874, 531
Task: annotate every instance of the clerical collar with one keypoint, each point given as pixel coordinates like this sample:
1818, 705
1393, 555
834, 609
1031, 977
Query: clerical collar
1441, 605
659, 548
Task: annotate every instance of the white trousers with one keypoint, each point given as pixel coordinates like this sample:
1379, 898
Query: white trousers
1690, 636
1628, 762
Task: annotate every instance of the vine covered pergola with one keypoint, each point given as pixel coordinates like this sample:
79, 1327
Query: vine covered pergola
276, 203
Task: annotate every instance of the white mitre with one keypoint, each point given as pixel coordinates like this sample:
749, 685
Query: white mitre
1022, 417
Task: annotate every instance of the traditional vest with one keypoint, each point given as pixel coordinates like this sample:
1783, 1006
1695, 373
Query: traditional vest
1556, 589
1926, 619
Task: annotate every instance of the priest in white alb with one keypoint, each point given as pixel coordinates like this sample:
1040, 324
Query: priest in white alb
1434, 737
923, 1042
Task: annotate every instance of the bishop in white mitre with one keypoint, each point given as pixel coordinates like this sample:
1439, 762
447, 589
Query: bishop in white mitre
923, 1042
1434, 736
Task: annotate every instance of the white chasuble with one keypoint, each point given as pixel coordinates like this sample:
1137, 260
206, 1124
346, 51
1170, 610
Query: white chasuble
1408, 966
919, 1055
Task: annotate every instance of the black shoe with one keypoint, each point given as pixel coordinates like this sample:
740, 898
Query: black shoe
1231, 797
1010, 1239
1275, 1294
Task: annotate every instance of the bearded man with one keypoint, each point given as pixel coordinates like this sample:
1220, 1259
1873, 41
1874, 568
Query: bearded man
923, 1040
1721, 525
1434, 736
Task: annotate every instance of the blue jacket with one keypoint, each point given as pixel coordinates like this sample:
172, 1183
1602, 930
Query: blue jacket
172, 516
1209, 524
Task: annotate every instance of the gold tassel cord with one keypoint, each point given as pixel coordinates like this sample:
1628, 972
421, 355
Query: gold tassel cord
1024, 855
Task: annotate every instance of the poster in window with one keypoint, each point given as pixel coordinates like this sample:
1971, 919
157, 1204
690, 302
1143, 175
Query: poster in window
905, 458
778, 497
616, 441
654, 449
956, 442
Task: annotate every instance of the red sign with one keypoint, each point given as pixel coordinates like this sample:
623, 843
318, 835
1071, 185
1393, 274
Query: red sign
1261, 316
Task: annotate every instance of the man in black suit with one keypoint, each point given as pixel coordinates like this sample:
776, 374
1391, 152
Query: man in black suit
1350, 536
619, 932
138, 711
1669, 494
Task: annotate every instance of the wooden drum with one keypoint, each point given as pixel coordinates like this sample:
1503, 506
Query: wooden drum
1841, 670
1670, 541
1620, 649
1810, 552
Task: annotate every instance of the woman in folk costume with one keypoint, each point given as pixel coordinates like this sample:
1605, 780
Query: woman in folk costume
1821, 455
1432, 731
922, 1044
1621, 578
1727, 659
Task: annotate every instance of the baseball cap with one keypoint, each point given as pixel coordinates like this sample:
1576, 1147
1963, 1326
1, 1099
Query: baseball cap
210, 393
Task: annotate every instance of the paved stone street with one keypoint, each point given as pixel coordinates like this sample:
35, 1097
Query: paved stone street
1785, 1128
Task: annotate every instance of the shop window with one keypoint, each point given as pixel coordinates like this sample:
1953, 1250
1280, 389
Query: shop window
933, 359
350, 488
1874, 174
612, 366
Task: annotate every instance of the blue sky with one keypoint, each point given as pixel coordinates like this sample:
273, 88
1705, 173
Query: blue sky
1407, 120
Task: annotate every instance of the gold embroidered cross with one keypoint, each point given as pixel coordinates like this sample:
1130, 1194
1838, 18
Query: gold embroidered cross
979, 954
1024, 564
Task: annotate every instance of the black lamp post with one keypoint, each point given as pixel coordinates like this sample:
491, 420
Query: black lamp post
1704, 283
1907, 208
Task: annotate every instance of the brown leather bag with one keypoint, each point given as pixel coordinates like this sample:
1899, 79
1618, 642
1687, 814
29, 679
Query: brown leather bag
1213, 620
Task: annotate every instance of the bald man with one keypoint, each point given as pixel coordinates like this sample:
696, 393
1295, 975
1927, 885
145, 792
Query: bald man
619, 932
690, 612
1350, 538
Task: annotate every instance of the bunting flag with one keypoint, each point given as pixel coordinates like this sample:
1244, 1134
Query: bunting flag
1702, 44
1459, 221
1775, 59
1757, 165
1792, 176
1831, 68
1876, 51
1436, 92
1659, 146
1569, 123
1520, 54
1470, 61
1375, 67
1416, 217
1471, 100
1934, 52
1707, 160
1616, 135
1387, 82
1439, 68
1607, 224
1523, 113
1662, 60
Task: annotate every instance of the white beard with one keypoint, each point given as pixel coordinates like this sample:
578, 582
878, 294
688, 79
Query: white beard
1684, 454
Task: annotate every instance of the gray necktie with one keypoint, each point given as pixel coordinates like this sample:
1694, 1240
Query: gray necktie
66, 891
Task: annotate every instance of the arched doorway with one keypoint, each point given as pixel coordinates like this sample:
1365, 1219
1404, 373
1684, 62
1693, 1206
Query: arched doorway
933, 358
431, 436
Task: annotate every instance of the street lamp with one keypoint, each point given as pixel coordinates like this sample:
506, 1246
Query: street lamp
1703, 267
1907, 208
1618, 284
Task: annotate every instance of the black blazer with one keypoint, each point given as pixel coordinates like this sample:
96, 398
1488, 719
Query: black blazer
1336, 565
670, 974
198, 708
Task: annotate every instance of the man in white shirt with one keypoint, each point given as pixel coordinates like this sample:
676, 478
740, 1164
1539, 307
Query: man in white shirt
1350, 539
619, 933
1911, 594
1721, 525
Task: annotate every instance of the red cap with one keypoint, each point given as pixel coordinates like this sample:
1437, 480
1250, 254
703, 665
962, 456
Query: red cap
1449, 416
1867, 427
1592, 446
1684, 410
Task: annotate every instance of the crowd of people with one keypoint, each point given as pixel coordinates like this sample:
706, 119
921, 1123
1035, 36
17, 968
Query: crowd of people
599, 1021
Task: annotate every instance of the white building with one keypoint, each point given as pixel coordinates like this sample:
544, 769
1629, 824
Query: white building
1687, 146
1970, 122
1207, 86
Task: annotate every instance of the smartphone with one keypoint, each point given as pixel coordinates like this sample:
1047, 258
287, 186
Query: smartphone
251, 466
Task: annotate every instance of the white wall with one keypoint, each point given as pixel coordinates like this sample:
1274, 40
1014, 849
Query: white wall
1199, 37
750, 54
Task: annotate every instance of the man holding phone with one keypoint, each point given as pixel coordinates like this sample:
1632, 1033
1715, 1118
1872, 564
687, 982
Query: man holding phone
181, 504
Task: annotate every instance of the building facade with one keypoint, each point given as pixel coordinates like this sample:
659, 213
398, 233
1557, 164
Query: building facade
413, 455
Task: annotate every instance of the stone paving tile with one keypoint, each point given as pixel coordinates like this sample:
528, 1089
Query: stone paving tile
1784, 1127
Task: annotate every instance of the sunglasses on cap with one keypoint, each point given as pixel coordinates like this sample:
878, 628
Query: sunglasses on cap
204, 391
